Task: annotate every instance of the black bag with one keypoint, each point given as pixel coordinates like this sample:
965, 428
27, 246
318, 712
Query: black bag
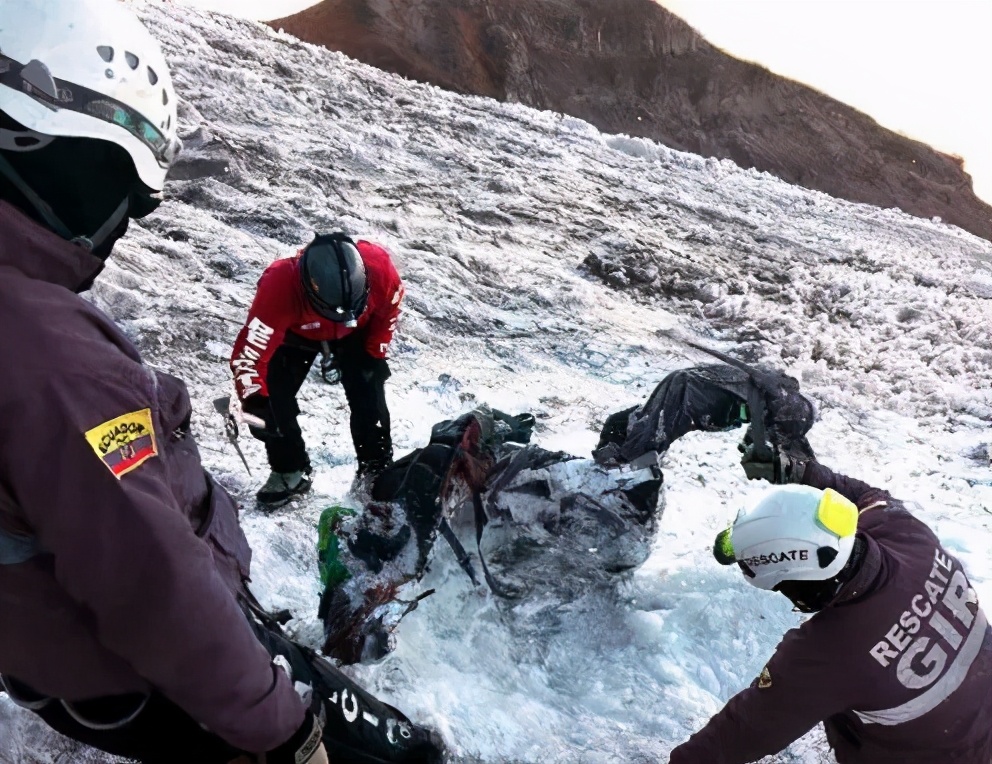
418, 480
709, 398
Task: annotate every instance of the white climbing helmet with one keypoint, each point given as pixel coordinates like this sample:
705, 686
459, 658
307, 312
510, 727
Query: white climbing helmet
795, 533
86, 69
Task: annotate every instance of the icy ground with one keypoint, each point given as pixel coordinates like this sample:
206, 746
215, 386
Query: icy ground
546, 264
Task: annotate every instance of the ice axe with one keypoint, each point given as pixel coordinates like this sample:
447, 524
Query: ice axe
223, 407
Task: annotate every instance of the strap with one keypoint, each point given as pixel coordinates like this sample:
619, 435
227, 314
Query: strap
756, 407
122, 720
23, 696
412, 604
52, 220
480, 524
40, 205
456, 546
273, 621
109, 226
406, 475
481, 520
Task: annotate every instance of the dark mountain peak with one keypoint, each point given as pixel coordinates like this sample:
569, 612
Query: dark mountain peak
631, 66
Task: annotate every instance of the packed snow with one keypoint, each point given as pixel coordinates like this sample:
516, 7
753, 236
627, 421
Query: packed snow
551, 269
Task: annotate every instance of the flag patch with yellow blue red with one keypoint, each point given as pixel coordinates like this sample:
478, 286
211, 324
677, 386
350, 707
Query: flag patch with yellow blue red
124, 443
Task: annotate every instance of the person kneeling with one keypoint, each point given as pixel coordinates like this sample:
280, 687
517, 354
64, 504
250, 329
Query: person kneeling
895, 661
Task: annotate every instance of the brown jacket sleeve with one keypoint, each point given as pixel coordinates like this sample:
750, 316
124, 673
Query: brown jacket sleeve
123, 548
797, 689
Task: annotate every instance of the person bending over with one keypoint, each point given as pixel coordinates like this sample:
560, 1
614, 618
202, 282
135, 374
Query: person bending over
339, 298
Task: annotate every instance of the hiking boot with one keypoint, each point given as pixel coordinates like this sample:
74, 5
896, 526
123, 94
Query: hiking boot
371, 469
281, 487
365, 476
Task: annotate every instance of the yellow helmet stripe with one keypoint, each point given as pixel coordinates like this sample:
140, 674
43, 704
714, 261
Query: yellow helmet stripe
837, 514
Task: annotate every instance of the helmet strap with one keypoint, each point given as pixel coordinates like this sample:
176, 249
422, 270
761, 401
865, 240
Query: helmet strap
48, 216
110, 225
40, 205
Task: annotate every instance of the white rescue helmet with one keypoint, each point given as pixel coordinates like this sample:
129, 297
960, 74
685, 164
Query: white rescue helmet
795, 533
87, 69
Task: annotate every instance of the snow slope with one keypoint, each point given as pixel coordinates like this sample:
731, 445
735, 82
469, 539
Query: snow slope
550, 268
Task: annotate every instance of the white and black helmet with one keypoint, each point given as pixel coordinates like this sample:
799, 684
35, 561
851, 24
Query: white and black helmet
797, 540
86, 69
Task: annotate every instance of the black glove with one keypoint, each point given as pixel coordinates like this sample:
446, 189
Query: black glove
773, 465
305, 747
257, 405
372, 368
330, 371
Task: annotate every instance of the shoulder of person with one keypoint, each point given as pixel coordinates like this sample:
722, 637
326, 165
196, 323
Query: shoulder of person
284, 266
384, 279
281, 274
896, 520
376, 257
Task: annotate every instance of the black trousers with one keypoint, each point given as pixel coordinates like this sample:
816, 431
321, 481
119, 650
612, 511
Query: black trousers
162, 733
363, 379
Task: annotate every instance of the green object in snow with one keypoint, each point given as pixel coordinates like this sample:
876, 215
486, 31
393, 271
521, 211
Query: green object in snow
723, 547
332, 570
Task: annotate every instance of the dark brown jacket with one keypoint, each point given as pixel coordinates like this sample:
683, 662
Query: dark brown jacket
898, 667
119, 556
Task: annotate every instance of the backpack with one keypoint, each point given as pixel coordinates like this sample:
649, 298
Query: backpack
368, 557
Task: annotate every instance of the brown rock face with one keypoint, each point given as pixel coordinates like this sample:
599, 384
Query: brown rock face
630, 66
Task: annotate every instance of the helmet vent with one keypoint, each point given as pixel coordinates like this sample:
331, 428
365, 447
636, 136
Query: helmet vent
106, 53
152, 77
132, 60
825, 555
165, 98
26, 141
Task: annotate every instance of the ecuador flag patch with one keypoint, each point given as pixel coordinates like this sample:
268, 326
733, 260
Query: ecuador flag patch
124, 443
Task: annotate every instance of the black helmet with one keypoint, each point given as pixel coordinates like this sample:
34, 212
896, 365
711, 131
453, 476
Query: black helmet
334, 278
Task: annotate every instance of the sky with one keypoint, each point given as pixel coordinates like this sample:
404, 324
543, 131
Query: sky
920, 67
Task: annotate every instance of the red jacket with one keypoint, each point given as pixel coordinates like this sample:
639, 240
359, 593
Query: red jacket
898, 667
281, 306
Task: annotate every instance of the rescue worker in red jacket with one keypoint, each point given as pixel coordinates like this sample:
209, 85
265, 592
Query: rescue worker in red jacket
897, 658
339, 298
